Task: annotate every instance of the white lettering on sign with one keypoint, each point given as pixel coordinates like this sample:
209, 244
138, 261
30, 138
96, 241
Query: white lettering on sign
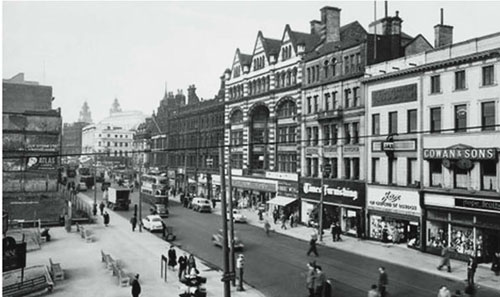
345, 192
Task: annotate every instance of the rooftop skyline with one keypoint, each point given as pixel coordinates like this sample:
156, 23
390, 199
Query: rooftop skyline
99, 51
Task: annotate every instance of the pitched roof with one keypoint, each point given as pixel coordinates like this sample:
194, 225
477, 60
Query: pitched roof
309, 40
245, 59
271, 46
350, 35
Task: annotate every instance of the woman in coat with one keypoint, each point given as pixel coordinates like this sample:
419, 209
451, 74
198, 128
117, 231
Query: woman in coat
191, 263
172, 258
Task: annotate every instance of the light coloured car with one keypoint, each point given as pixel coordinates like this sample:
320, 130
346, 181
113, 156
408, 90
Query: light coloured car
218, 240
152, 223
201, 204
81, 187
238, 217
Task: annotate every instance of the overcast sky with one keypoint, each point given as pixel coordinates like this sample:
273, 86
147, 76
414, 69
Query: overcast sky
96, 51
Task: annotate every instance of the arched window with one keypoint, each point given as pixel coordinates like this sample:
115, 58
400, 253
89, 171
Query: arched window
236, 117
326, 68
334, 67
278, 80
283, 78
286, 109
268, 83
294, 76
288, 78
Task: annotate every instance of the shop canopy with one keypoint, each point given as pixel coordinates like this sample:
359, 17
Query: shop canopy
282, 201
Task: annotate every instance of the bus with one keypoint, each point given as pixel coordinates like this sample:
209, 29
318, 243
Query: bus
154, 189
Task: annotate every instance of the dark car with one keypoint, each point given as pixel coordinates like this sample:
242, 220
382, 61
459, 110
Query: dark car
105, 186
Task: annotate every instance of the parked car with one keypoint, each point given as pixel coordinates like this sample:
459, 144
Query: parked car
161, 210
201, 204
238, 217
81, 187
218, 240
152, 223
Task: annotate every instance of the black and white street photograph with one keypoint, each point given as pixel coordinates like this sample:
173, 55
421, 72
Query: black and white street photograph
251, 148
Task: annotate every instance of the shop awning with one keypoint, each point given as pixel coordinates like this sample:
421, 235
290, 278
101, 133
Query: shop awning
282, 201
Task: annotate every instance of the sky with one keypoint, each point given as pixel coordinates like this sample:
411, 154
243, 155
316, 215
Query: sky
102, 50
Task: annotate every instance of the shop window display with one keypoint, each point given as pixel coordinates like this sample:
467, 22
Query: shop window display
392, 230
351, 222
437, 235
462, 240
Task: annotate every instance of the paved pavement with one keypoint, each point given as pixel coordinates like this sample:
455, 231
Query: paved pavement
86, 275
395, 254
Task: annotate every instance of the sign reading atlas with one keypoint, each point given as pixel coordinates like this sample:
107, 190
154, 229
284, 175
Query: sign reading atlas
308, 188
456, 153
41, 163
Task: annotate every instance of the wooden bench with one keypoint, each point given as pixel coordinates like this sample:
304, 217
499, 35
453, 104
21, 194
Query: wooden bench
56, 271
123, 278
89, 237
27, 287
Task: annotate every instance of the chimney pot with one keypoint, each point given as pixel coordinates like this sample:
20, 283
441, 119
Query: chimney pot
330, 18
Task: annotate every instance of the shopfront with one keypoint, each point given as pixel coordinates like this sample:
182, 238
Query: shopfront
248, 192
394, 215
343, 202
286, 200
470, 225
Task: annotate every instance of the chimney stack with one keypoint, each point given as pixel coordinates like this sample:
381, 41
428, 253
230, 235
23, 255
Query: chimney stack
330, 18
443, 34
316, 27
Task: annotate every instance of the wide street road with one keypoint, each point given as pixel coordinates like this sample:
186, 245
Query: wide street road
276, 265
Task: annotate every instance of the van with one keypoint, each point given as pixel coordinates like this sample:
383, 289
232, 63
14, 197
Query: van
201, 204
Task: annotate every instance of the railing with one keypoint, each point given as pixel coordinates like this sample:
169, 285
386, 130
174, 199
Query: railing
330, 114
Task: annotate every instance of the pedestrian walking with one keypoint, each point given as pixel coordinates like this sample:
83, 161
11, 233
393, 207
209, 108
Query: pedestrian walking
444, 292
383, 281
310, 278
163, 229
275, 215
495, 263
319, 282
106, 218
267, 227
136, 287
471, 270
283, 221
101, 207
338, 231
191, 264
133, 222
292, 220
172, 258
373, 292
312, 245
333, 230
445, 258
182, 265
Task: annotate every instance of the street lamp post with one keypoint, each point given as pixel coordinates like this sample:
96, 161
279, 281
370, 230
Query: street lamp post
231, 220
320, 227
225, 259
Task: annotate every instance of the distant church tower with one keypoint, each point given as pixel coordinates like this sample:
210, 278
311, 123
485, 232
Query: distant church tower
85, 115
115, 107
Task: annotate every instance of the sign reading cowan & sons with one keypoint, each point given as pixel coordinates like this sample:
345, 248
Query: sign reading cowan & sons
461, 153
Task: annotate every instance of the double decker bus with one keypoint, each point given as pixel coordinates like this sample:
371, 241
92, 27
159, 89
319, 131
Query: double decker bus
154, 189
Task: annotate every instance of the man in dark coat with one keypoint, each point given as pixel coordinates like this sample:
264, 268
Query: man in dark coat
106, 218
172, 258
445, 260
312, 245
319, 282
133, 221
471, 270
101, 207
383, 281
136, 287
182, 265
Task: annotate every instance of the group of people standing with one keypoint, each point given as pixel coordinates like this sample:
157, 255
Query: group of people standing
187, 264
316, 280
283, 217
